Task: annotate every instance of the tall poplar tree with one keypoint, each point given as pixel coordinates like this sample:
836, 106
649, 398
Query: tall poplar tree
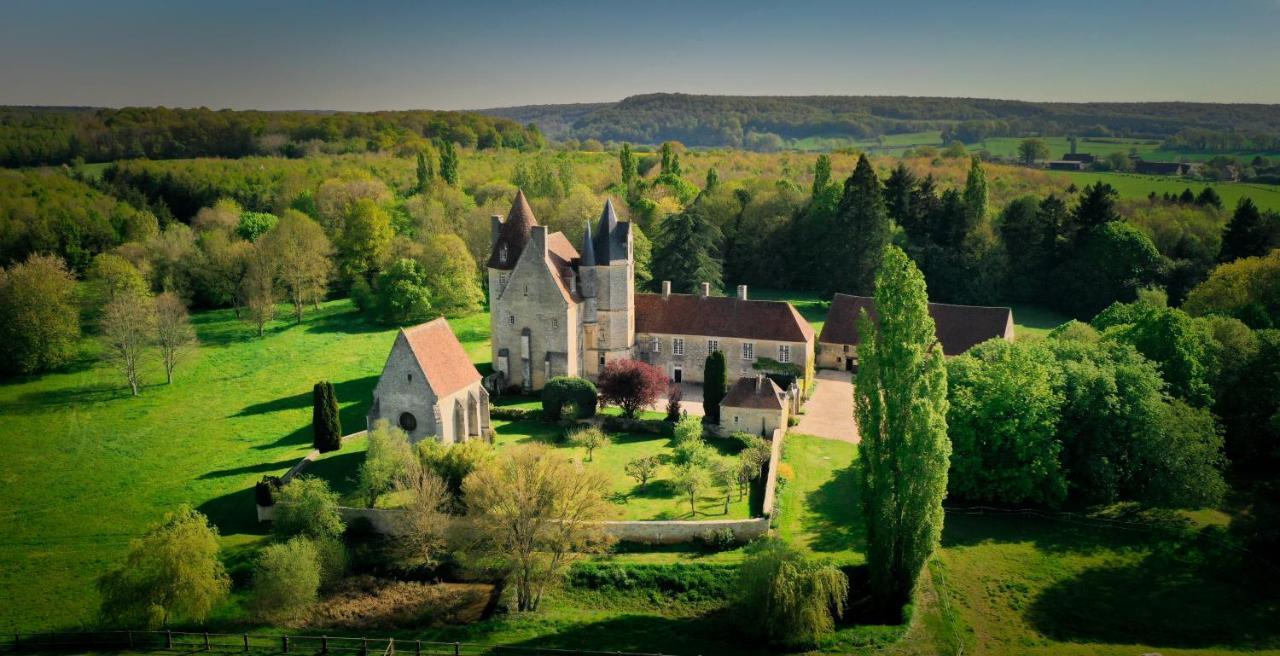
975, 192
713, 387
448, 163
628, 162
900, 402
424, 172
862, 228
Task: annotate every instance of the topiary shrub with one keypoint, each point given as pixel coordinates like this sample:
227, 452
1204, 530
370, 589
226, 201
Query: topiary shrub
564, 390
264, 492
326, 425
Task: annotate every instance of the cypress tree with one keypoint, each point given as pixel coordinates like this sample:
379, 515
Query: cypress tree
713, 386
326, 427
900, 402
862, 226
332, 416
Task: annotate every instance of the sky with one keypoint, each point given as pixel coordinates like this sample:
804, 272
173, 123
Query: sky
318, 54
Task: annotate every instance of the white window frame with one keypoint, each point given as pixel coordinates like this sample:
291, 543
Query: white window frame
511, 319
502, 280
749, 351
784, 353
677, 346
656, 345
713, 345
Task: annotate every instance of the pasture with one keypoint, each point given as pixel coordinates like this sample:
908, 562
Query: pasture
1136, 187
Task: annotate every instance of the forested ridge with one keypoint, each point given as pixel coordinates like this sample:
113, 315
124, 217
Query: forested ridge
700, 120
33, 136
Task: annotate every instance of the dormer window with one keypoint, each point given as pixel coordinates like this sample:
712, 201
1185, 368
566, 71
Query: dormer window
502, 253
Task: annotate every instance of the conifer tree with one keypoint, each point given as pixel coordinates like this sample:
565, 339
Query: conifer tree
713, 179
685, 252
900, 402
862, 226
713, 386
821, 175
1243, 236
326, 425
424, 172
666, 158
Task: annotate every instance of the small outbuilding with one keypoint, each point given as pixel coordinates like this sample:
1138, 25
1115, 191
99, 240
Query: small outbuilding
430, 388
958, 327
755, 405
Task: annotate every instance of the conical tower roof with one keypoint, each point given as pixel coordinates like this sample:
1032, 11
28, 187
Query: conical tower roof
514, 234
611, 236
588, 248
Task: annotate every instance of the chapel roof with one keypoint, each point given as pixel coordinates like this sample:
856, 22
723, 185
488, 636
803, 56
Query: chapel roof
440, 355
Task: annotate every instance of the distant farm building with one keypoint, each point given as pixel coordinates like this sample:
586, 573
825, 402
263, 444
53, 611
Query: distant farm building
959, 328
1085, 158
1066, 165
1163, 168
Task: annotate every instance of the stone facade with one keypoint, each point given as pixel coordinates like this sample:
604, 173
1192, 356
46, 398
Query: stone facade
683, 357
429, 389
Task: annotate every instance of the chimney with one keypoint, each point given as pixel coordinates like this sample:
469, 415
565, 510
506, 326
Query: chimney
705, 290
759, 382
742, 292
495, 226
666, 288
573, 282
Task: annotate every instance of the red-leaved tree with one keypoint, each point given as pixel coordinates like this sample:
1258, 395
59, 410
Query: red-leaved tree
631, 385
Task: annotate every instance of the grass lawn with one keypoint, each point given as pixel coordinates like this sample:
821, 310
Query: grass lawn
1035, 321
1132, 185
655, 500
818, 507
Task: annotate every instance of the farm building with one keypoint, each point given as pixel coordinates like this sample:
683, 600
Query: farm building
1163, 168
959, 328
1066, 165
1084, 158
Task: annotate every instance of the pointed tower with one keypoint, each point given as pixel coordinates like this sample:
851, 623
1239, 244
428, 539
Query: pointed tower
587, 277
613, 299
509, 239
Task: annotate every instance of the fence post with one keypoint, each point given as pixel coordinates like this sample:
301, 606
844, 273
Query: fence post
457, 648
130, 634
168, 639
364, 647
324, 644
391, 646
206, 641
417, 648
284, 643
246, 642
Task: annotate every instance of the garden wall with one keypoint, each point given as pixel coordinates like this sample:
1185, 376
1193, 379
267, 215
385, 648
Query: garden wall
643, 532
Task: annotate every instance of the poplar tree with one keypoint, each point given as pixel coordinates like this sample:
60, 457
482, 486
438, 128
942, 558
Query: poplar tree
862, 225
627, 160
900, 402
424, 172
448, 163
713, 388
975, 192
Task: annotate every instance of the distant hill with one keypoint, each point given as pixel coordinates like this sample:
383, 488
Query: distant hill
739, 120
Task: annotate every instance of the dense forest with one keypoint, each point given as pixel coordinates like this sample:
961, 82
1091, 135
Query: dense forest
737, 121
32, 136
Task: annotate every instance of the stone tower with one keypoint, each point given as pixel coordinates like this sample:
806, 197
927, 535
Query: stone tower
607, 272
510, 350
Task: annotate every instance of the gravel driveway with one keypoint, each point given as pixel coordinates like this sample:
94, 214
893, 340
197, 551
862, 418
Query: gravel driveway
829, 412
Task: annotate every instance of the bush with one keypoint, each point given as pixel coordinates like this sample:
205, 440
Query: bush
720, 539
286, 579
563, 390
688, 429
688, 582
624, 425
516, 414
266, 489
307, 507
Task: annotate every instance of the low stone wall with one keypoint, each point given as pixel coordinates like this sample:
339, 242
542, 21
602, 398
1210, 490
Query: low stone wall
639, 531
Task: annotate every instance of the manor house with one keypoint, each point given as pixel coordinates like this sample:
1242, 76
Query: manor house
555, 311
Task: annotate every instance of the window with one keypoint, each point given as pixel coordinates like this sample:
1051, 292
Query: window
677, 346
748, 350
784, 353
713, 345
657, 345
502, 280
408, 421
526, 289
846, 348
511, 319
409, 377
602, 362
555, 322
735, 420
502, 254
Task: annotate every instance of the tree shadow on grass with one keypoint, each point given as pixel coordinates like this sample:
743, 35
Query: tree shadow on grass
359, 390
1050, 535
835, 508
1168, 599
233, 513
339, 470
348, 322
707, 634
36, 402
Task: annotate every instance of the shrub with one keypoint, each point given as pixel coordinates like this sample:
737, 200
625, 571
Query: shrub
265, 490
453, 463
631, 385
563, 390
515, 414
286, 579
688, 429
674, 396
788, 599
624, 425
388, 457
590, 438
306, 506
688, 582
718, 539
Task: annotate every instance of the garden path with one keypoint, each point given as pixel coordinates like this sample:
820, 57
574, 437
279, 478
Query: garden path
829, 412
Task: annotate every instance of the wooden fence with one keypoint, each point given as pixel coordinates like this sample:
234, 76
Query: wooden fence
191, 642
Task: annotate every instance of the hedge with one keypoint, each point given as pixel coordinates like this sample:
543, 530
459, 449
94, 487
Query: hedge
569, 389
689, 581
624, 425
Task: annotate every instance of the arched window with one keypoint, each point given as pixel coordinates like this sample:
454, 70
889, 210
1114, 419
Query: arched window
408, 422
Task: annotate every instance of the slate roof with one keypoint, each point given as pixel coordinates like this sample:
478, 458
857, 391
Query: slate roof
720, 316
744, 394
440, 355
959, 327
610, 238
514, 234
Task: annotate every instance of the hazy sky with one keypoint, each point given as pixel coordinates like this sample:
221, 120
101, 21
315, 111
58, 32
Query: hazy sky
278, 54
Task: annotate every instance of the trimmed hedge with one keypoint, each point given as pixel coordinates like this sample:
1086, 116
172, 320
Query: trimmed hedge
516, 414
563, 390
624, 425
687, 581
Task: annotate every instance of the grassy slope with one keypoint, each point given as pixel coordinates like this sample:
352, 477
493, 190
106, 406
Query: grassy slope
1132, 185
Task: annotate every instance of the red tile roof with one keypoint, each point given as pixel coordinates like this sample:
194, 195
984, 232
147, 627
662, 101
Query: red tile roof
441, 356
745, 394
720, 316
959, 327
560, 257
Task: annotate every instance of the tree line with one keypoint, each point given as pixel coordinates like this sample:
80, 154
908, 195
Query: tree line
33, 136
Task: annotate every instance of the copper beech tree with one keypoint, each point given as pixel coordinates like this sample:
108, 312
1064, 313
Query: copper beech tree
631, 385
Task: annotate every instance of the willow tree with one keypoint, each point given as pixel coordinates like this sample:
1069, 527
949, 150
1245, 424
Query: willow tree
900, 402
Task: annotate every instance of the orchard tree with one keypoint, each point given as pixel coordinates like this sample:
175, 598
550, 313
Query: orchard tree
174, 337
128, 327
900, 403
39, 322
173, 571
589, 439
530, 514
691, 480
631, 385
642, 469
713, 390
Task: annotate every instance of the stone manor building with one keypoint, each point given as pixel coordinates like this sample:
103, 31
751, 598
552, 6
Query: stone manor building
555, 311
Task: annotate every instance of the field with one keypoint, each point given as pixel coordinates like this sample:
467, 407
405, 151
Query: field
88, 468
1132, 185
